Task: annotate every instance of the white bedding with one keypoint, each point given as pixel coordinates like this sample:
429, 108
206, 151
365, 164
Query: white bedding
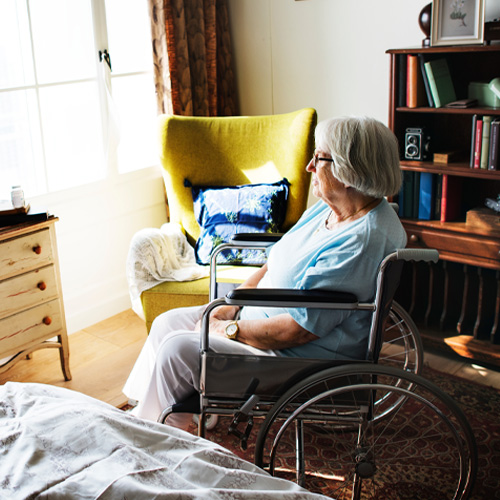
60, 444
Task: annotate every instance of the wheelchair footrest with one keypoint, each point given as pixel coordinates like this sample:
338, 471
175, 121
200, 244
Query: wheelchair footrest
241, 416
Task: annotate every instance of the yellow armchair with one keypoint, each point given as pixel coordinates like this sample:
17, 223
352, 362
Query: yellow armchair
227, 152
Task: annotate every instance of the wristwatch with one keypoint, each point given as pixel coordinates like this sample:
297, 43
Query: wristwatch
232, 330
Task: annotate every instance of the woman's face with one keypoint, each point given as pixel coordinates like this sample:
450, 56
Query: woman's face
325, 185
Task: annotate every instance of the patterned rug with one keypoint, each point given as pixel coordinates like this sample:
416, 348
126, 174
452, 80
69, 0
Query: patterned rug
481, 406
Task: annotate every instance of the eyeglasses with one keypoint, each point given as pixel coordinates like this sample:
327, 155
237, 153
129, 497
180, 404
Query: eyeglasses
316, 159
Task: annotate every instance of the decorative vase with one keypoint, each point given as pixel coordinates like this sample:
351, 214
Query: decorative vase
424, 21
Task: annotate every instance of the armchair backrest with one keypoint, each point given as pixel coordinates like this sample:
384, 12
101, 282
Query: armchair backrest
229, 151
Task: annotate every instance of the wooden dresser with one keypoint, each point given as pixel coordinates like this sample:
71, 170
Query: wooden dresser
31, 305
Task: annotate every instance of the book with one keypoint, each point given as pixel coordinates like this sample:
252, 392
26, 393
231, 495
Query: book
401, 201
473, 140
33, 215
438, 190
494, 142
415, 90
440, 82
416, 194
408, 179
428, 93
485, 142
6, 208
451, 195
426, 196
401, 69
478, 141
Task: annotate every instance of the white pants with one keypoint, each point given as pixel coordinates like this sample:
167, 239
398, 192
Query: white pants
168, 368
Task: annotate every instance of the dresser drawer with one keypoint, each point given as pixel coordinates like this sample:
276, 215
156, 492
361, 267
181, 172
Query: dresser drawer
25, 253
29, 328
27, 290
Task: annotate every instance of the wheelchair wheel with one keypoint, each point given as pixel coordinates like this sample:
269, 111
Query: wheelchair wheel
402, 346
324, 433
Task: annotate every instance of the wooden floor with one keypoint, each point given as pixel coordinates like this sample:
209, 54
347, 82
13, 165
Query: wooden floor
101, 357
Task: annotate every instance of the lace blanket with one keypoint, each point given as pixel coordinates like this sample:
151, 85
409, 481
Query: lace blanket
60, 444
158, 255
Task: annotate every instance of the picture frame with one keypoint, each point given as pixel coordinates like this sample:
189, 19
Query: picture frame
457, 22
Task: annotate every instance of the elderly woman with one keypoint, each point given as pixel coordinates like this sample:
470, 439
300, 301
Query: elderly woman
337, 244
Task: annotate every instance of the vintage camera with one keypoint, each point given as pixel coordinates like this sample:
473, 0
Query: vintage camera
417, 144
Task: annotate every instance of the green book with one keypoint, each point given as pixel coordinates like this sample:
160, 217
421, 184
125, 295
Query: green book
440, 82
485, 144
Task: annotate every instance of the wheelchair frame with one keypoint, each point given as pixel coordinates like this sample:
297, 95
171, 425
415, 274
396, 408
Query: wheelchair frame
367, 401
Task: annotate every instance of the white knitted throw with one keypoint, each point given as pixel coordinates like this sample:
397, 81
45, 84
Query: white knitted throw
158, 255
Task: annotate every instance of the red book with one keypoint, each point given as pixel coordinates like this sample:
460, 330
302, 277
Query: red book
478, 143
451, 196
415, 88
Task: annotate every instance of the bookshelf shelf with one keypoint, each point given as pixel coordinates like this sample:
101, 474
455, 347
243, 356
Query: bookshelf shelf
462, 292
457, 49
456, 169
451, 111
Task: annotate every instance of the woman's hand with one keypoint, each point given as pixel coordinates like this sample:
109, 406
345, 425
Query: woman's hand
225, 313
218, 326
222, 314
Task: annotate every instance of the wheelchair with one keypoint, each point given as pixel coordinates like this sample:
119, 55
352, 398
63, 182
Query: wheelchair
370, 428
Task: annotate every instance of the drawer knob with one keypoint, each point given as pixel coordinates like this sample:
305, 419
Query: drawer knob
414, 238
42, 285
37, 249
47, 320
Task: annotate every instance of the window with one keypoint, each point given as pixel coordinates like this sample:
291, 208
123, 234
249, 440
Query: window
65, 120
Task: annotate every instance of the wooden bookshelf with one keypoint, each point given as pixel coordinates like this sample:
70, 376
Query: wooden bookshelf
460, 296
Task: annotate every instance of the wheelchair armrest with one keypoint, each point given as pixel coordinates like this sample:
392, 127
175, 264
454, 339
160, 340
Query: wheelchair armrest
266, 239
281, 297
285, 297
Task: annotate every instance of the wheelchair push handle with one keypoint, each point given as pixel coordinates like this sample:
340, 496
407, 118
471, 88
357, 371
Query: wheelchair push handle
417, 254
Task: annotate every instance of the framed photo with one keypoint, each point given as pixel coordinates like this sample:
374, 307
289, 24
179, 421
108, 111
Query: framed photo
457, 22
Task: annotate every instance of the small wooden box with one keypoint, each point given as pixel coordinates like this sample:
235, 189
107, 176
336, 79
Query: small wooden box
446, 156
484, 218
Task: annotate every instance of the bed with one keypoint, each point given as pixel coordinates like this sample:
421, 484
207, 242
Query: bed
57, 443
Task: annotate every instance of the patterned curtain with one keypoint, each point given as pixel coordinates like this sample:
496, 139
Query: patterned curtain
192, 57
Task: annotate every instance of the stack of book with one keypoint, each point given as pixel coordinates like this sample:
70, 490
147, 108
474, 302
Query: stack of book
10, 216
427, 196
484, 142
428, 82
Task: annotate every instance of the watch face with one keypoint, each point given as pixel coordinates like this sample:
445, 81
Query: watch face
232, 331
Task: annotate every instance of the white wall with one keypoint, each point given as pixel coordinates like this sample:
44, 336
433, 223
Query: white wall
96, 223
326, 54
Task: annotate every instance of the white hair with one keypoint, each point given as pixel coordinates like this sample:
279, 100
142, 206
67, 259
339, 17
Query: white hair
365, 154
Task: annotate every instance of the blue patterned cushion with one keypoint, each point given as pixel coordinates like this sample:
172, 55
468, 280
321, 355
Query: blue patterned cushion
222, 212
